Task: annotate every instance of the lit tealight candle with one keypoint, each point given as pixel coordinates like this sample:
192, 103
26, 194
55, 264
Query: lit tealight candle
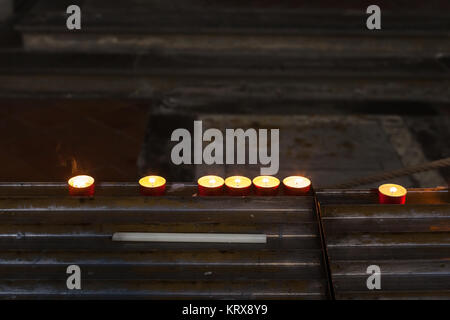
266, 185
238, 185
391, 194
210, 186
152, 185
81, 186
296, 185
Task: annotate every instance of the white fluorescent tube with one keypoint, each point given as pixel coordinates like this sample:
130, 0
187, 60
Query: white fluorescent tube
190, 237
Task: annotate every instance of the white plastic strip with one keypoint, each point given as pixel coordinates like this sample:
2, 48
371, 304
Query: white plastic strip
190, 237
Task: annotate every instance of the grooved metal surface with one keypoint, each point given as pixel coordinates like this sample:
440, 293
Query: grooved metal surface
43, 231
410, 243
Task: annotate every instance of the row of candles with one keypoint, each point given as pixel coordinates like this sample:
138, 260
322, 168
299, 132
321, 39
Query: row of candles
207, 185
235, 186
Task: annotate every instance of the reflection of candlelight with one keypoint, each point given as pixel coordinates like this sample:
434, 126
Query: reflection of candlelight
392, 194
81, 186
296, 185
238, 185
210, 185
266, 185
152, 186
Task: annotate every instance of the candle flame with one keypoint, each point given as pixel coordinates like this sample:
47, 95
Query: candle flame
81, 181
238, 182
266, 182
392, 190
152, 181
210, 181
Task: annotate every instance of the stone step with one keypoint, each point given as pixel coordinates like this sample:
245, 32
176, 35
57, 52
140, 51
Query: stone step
321, 28
200, 77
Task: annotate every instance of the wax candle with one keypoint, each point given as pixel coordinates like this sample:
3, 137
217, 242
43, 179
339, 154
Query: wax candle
391, 194
152, 186
190, 237
210, 186
296, 185
238, 185
266, 185
81, 186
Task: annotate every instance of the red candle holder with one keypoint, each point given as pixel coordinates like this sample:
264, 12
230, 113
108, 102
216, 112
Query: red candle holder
392, 194
296, 185
210, 186
152, 186
266, 185
81, 186
238, 185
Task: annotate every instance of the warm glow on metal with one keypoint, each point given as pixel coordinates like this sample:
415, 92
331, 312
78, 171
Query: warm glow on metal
82, 181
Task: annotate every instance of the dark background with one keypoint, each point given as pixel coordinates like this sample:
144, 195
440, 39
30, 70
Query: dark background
104, 100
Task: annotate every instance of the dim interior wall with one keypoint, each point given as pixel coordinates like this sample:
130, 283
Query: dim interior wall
6, 9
